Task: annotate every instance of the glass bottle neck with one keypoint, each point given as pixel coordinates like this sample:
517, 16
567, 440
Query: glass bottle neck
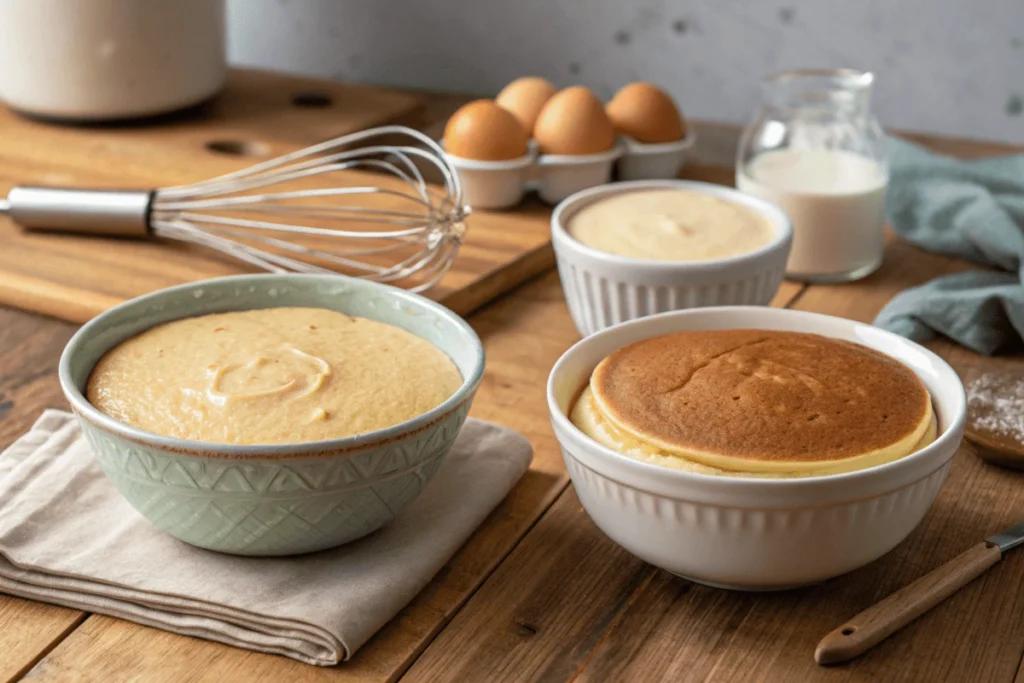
825, 92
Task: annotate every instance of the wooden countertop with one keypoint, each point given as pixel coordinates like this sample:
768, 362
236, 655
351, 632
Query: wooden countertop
538, 593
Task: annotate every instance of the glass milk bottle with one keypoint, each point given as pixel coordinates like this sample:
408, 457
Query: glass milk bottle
815, 150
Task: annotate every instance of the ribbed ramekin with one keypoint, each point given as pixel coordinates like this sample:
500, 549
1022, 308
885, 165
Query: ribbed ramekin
746, 533
604, 289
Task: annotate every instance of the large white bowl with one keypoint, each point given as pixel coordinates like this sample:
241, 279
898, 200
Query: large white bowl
746, 533
604, 289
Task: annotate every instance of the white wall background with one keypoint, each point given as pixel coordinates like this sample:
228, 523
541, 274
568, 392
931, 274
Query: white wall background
943, 66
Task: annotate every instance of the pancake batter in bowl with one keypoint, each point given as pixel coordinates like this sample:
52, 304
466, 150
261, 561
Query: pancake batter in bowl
670, 225
271, 376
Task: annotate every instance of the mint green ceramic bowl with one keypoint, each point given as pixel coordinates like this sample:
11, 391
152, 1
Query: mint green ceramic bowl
273, 499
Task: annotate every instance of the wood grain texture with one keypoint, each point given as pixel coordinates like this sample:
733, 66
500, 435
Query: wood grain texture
523, 335
552, 583
29, 349
28, 631
553, 599
74, 277
681, 631
775, 637
671, 629
30, 363
546, 608
860, 633
749, 637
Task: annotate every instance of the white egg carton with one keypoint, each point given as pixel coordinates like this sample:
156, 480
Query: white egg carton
502, 184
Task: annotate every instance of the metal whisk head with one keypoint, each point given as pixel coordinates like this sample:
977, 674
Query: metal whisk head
292, 213
241, 213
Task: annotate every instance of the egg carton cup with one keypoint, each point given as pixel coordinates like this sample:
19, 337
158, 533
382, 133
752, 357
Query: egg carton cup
502, 184
561, 175
494, 184
643, 161
603, 290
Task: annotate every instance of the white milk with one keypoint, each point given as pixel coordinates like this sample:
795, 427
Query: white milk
836, 200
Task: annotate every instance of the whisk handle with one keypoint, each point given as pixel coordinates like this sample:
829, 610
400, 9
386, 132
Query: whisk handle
94, 212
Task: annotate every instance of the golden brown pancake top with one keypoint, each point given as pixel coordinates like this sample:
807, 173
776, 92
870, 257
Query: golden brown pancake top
761, 395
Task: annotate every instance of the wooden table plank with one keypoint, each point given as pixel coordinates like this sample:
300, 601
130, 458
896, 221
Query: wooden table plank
75, 277
776, 637
28, 631
515, 612
523, 335
414, 627
29, 349
675, 630
905, 266
533, 587
681, 631
546, 607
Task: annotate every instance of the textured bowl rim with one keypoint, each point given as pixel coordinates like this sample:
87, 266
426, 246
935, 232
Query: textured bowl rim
90, 413
672, 482
780, 222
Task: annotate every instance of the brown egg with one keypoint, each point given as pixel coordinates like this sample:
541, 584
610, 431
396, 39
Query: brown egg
524, 98
482, 130
574, 122
646, 113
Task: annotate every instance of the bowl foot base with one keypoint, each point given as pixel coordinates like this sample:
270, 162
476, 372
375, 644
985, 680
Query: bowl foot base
745, 589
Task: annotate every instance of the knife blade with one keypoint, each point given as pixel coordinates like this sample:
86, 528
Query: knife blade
1008, 539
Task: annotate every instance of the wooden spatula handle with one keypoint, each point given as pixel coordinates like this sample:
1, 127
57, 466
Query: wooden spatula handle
887, 616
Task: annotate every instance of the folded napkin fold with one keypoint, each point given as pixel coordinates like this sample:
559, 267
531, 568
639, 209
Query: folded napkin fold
68, 537
968, 209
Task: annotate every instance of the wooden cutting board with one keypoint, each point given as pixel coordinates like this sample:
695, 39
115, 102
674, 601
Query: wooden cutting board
259, 115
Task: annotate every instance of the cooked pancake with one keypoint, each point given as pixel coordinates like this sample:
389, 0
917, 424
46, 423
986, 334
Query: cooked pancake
588, 417
754, 401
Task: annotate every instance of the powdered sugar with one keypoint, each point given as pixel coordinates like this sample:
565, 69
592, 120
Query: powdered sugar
995, 405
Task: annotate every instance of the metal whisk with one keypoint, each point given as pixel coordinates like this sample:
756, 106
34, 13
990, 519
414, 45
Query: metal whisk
287, 214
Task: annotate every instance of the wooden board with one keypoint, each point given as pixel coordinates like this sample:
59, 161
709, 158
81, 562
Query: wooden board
538, 593
641, 623
76, 277
523, 336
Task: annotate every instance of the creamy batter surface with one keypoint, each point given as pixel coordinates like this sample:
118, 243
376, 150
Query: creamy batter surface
670, 225
278, 375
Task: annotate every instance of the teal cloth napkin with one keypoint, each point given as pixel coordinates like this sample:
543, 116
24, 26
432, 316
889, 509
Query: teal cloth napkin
972, 210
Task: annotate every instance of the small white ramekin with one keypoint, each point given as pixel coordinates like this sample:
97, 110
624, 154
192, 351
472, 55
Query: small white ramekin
603, 289
493, 184
746, 533
643, 161
560, 175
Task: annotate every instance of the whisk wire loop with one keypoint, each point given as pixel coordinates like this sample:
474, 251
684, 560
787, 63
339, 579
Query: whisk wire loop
242, 214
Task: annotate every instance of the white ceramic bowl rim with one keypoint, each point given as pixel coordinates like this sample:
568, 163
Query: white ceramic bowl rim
581, 159
209, 449
636, 147
780, 223
950, 426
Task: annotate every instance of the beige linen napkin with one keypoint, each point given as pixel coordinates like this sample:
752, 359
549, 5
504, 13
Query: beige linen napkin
68, 537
